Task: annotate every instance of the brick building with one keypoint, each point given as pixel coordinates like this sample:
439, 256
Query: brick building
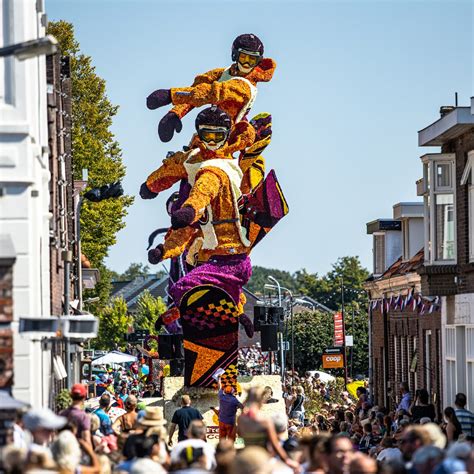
405, 326
448, 270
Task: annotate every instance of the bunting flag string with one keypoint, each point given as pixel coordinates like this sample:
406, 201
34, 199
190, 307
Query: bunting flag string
409, 302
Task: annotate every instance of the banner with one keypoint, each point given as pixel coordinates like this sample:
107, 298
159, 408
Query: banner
338, 329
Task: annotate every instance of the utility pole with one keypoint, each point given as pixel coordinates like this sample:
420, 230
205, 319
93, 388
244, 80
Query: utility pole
344, 332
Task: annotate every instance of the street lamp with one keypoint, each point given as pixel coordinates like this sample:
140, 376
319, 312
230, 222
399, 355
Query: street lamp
277, 283
29, 49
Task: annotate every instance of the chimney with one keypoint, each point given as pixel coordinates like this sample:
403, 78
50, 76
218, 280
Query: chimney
446, 109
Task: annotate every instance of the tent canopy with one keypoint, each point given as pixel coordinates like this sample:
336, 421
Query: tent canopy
323, 376
114, 357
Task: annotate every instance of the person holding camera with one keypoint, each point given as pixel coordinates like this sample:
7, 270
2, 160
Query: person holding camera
421, 407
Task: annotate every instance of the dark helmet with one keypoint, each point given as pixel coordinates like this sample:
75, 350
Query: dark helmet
213, 116
246, 42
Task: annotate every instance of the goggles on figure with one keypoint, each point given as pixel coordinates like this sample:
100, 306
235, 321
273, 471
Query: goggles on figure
213, 138
248, 58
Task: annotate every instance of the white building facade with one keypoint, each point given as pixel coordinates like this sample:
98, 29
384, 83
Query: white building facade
24, 190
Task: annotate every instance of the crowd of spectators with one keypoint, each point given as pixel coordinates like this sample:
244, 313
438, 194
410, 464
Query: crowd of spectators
348, 436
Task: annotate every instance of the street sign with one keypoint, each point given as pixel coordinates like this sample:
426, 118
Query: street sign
333, 358
349, 341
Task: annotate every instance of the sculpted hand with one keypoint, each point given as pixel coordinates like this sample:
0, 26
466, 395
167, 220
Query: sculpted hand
169, 124
145, 193
159, 98
182, 217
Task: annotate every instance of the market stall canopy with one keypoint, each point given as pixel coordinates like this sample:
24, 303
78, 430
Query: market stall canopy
114, 357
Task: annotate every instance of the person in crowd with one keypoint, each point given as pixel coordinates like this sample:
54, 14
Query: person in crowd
19, 435
297, 408
101, 412
290, 398
195, 438
76, 413
67, 454
258, 430
427, 458
405, 401
388, 450
421, 407
182, 418
317, 455
413, 438
367, 440
453, 428
228, 406
268, 395
340, 453
465, 417
362, 398
361, 463
225, 456
151, 425
126, 423
151, 391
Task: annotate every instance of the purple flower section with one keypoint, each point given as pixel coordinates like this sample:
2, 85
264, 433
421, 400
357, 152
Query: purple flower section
230, 273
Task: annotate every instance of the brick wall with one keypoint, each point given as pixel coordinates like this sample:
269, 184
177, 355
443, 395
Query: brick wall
59, 127
407, 330
6, 317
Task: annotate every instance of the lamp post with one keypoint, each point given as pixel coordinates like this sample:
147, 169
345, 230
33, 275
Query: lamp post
29, 49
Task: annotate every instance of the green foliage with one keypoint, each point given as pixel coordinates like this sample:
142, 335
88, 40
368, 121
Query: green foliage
133, 271
63, 399
313, 333
94, 148
260, 278
114, 323
314, 403
148, 310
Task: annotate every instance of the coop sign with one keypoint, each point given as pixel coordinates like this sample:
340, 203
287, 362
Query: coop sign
333, 358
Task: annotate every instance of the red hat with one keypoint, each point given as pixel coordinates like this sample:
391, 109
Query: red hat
79, 389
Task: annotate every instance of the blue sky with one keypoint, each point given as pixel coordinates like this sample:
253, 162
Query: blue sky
355, 82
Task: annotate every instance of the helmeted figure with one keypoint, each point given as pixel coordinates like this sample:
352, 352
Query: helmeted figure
232, 89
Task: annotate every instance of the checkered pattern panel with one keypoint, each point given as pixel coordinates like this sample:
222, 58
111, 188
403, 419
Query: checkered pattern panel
229, 377
212, 316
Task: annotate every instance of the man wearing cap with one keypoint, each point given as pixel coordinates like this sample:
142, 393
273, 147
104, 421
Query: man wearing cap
76, 414
41, 424
228, 406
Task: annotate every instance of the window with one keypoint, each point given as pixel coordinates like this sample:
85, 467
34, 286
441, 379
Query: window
450, 355
379, 253
439, 198
467, 180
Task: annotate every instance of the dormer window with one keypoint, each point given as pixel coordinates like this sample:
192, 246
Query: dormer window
439, 199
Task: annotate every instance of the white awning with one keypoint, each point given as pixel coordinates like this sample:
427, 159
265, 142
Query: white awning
114, 357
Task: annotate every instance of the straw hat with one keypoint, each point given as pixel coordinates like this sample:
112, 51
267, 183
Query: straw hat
153, 417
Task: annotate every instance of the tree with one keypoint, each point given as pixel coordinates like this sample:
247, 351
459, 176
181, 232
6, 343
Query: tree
148, 310
93, 148
114, 324
313, 333
260, 278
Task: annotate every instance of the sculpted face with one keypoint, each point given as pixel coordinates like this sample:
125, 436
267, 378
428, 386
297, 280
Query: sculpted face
247, 61
213, 137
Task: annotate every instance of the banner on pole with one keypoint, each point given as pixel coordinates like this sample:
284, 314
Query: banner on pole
338, 329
